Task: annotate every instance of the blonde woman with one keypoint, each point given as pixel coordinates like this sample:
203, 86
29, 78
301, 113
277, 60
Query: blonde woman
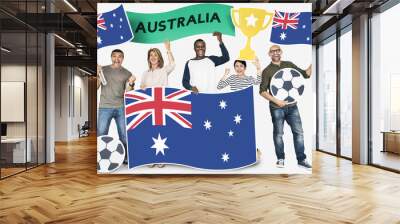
157, 74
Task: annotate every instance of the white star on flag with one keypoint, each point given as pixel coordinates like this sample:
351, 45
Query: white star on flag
111, 25
207, 124
308, 38
159, 144
222, 104
225, 157
230, 133
251, 20
304, 26
122, 37
99, 40
120, 19
114, 15
237, 119
283, 36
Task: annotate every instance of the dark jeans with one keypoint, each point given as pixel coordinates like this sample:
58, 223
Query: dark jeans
104, 120
291, 115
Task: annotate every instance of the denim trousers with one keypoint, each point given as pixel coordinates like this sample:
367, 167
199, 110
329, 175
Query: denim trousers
290, 114
104, 120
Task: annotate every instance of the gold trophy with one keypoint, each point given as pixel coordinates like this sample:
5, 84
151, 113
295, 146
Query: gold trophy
251, 21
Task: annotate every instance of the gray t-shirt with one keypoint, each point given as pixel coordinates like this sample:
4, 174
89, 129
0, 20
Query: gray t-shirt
112, 94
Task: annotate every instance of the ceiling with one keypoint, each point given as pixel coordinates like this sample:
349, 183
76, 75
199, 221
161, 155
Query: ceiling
76, 23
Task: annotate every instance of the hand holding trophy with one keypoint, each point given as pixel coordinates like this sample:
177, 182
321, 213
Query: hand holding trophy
250, 22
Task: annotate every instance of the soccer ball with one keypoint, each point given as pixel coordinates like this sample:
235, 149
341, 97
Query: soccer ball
287, 84
110, 154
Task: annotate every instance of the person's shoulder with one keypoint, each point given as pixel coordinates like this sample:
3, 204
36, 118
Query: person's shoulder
268, 66
106, 67
126, 71
287, 63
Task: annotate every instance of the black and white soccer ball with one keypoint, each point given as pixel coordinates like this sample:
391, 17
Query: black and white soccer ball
110, 154
287, 84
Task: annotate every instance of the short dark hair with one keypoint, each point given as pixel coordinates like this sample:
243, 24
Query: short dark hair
117, 51
198, 40
240, 61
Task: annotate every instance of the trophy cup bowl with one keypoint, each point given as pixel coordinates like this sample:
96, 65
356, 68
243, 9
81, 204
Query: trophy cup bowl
258, 24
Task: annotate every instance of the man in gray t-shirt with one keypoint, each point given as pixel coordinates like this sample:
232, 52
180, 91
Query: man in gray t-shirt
117, 81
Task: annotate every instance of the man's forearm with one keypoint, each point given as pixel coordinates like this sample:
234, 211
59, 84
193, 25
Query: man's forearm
268, 96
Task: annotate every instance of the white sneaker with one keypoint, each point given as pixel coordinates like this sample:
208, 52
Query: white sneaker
280, 163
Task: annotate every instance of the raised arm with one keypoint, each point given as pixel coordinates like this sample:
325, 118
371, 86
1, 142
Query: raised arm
256, 63
171, 61
219, 60
224, 81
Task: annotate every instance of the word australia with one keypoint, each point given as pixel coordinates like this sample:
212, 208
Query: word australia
176, 23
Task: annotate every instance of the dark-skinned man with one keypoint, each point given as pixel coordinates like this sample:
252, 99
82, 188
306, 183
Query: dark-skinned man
199, 74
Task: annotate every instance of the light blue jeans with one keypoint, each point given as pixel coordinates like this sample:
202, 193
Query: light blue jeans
104, 120
291, 115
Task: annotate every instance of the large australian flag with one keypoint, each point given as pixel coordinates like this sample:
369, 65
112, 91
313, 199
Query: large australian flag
113, 28
291, 28
176, 126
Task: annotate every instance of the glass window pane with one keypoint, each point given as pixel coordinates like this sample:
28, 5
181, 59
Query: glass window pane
13, 84
327, 96
385, 88
41, 99
346, 94
31, 98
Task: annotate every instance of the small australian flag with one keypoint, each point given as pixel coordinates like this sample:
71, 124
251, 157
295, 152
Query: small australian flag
291, 28
113, 28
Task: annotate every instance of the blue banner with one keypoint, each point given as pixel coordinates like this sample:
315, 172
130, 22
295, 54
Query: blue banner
175, 126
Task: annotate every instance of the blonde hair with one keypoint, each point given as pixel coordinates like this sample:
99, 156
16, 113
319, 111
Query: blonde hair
160, 58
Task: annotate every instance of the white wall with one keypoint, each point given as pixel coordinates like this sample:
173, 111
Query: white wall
71, 96
33, 126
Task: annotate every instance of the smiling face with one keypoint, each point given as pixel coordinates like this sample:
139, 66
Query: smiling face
275, 53
240, 68
200, 48
117, 58
154, 58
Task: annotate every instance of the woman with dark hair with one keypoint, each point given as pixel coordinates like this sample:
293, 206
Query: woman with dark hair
157, 74
240, 80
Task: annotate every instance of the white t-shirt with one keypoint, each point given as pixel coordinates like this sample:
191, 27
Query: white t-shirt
202, 75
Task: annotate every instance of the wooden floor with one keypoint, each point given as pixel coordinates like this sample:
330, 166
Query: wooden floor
70, 191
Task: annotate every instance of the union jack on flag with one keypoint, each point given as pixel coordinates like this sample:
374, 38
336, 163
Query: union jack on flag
101, 23
285, 20
157, 103
291, 28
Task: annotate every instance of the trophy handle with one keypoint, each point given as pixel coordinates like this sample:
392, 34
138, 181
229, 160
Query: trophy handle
271, 17
233, 11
